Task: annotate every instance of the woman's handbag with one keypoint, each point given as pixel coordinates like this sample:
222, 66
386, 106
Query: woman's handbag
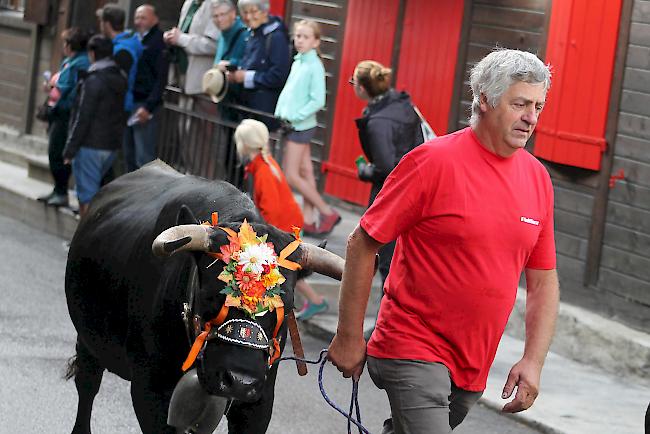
44, 110
427, 131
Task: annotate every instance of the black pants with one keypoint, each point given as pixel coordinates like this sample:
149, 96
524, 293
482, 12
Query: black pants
58, 134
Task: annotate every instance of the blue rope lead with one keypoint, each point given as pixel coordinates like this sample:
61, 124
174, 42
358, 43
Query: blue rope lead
354, 401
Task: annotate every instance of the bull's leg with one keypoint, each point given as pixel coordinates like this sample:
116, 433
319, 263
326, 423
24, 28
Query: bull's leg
87, 378
253, 417
151, 402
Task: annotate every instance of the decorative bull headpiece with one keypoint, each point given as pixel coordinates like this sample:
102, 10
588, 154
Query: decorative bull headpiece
252, 271
252, 277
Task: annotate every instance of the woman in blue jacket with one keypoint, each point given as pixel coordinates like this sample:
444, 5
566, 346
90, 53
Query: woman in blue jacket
302, 97
75, 60
264, 67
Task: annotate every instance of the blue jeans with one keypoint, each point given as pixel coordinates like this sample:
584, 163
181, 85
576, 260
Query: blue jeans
89, 167
140, 141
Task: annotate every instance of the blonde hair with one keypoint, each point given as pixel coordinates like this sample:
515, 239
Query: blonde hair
373, 76
313, 25
251, 138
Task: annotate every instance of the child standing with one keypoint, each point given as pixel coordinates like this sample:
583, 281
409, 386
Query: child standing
302, 97
272, 196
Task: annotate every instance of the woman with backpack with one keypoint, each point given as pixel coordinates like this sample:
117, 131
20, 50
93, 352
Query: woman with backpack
388, 128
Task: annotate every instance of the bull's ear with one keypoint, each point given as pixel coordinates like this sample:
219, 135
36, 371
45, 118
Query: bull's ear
186, 217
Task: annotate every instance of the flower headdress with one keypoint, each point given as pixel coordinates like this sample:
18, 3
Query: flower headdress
252, 276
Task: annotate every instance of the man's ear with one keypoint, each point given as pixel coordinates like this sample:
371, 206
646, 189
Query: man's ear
483, 103
186, 217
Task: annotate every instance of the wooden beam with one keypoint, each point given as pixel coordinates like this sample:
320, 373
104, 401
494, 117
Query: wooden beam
599, 211
31, 89
397, 41
459, 79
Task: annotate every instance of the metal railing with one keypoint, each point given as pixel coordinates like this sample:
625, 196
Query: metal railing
196, 135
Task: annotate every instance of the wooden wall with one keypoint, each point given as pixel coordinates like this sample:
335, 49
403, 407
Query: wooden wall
624, 275
15, 49
516, 24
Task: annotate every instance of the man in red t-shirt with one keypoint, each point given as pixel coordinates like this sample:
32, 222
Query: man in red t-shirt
470, 211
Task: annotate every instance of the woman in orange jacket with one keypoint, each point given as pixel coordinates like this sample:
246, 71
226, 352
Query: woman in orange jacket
273, 197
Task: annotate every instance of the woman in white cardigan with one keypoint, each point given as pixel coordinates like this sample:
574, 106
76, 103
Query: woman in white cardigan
197, 36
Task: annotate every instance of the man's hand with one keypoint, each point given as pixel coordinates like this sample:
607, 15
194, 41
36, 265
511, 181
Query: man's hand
237, 76
67, 161
171, 36
348, 355
525, 376
143, 115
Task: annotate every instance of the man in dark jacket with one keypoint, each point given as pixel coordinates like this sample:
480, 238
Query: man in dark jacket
97, 124
265, 66
151, 77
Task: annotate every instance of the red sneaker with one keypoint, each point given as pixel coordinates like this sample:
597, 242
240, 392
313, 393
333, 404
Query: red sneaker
310, 229
328, 221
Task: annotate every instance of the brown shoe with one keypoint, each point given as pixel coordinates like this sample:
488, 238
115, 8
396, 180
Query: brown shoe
328, 221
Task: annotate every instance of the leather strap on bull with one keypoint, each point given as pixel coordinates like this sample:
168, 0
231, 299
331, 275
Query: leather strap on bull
237, 334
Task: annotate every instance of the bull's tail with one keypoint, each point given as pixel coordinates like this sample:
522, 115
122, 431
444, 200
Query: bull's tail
72, 367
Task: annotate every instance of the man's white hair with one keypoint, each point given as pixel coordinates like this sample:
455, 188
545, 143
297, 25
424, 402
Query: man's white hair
497, 71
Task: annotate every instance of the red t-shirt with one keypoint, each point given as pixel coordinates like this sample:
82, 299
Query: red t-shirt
273, 196
467, 222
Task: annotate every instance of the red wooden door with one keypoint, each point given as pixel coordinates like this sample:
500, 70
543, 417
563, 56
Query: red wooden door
427, 61
581, 49
369, 34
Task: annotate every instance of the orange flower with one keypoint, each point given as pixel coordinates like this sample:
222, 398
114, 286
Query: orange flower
247, 235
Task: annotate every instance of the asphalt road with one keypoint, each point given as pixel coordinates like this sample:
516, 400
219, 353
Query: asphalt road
37, 337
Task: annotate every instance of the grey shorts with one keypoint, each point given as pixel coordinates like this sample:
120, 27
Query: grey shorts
422, 397
303, 137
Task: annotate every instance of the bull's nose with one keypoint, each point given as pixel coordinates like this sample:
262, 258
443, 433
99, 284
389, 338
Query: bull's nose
239, 386
232, 378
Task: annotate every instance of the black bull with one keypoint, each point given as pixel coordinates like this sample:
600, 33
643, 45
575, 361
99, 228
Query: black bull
126, 303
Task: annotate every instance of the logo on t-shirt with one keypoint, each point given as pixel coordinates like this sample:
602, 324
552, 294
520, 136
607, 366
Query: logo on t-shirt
529, 221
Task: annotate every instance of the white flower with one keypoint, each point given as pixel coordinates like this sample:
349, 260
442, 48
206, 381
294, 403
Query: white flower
255, 256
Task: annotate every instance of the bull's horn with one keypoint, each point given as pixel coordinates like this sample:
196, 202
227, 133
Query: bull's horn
179, 238
322, 261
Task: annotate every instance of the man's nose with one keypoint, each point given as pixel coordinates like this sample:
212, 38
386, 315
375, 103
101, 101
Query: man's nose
531, 116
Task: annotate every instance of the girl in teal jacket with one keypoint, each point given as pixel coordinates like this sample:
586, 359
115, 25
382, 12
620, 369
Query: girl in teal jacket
301, 98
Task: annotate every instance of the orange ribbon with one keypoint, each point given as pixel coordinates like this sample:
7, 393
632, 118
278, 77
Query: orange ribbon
275, 352
200, 339
282, 258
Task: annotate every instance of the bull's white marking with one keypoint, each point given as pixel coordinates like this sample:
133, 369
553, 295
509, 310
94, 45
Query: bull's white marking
529, 221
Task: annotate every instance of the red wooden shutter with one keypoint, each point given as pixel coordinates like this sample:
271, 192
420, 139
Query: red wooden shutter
277, 8
369, 34
428, 55
581, 48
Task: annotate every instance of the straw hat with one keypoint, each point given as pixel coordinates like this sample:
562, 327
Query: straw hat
215, 84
